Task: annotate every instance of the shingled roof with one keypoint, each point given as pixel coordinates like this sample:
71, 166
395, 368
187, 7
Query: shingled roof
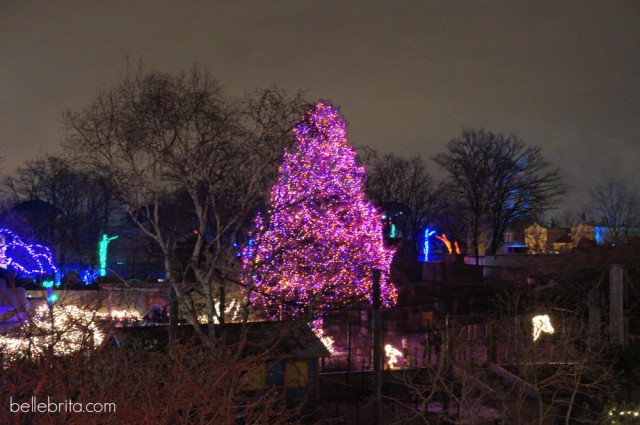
278, 339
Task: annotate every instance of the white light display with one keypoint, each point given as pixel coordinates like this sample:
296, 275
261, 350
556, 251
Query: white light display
392, 353
541, 324
72, 329
231, 313
326, 340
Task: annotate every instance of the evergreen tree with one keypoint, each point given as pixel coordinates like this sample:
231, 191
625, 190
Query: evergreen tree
323, 238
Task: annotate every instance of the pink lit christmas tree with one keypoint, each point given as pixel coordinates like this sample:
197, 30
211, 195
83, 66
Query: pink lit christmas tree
323, 238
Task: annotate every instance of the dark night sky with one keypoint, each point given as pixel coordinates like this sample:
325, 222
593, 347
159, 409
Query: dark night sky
408, 75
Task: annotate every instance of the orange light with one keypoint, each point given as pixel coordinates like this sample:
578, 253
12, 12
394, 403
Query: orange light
446, 241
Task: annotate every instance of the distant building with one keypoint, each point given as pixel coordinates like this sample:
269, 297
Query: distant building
546, 240
553, 240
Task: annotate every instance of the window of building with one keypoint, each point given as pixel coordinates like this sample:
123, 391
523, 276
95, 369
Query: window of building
296, 373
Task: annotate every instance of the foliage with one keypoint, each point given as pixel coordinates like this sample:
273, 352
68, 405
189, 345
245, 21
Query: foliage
142, 384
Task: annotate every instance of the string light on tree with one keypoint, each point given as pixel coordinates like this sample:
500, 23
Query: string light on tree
447, 243
102, 253
25, 258
64, 328
323, 238
424, 254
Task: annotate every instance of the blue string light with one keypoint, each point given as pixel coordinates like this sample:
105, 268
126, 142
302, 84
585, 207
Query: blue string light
27, 259
424, 257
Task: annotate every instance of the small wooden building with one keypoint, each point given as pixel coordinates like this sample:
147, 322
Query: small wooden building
289, 354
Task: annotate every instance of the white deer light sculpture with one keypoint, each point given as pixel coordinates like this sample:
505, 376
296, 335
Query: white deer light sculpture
541, 324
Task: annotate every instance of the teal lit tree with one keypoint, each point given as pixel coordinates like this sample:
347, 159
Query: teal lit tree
103, 246
322, 240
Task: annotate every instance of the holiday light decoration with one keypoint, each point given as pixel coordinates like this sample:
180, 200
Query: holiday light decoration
326, 340
541, 324
231, 312
392, 353
424, 254
102, 253
63, 328
26, 259
447, 243
121, 315
322, 239
625, 416
89, 275
392, 232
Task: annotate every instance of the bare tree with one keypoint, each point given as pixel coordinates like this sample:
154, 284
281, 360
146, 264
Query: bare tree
186, 160
405, 189
499, 180
137, 377
617, 204
451, 218
64, 205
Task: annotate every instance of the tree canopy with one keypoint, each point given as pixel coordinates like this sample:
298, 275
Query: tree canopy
498, 179
185, 159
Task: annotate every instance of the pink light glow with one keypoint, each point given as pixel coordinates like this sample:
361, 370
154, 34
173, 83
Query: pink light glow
323, 238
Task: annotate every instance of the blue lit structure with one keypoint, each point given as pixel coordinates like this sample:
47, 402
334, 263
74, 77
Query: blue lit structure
25, 258
424, 252
600, 234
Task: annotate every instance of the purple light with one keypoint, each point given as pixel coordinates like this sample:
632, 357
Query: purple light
324, 238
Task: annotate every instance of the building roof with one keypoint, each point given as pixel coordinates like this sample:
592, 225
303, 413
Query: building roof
563, 239
277, 339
